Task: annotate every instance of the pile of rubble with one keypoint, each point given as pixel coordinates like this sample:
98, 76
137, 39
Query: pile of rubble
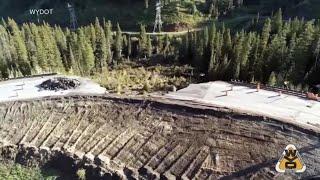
59, 83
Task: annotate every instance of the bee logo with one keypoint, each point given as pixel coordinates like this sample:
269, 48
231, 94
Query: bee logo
290, 160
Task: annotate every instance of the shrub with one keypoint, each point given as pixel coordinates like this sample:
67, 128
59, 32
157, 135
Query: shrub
81, 173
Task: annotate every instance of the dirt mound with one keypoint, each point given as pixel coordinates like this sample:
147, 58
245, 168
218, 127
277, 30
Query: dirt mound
112, 137
60, 83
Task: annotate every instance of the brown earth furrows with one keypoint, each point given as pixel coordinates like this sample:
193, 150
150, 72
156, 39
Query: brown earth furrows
151, 139
147, 151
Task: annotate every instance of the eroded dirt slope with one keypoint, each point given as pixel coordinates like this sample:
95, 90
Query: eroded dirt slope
149, 139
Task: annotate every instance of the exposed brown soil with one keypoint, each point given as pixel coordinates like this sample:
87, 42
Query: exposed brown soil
113, 137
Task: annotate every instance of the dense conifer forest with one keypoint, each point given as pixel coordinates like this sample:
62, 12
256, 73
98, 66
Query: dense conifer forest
176, 13
282, 51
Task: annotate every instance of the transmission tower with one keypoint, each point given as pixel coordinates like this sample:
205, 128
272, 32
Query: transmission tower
158, 21
38, 19
73, 18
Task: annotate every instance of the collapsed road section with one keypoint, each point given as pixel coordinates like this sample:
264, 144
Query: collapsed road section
112, 137
47, 86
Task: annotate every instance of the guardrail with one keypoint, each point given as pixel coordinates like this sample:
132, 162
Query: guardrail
301, 94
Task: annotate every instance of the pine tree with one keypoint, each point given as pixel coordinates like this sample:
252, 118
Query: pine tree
108, 35
184, 54
118, 44
101, 49
212, 67
61, 41
166, 46
87, 61
71, 64
265, 35
289, 63
212, 32
206, 37
276, 52
51, 52
303, 56
206, 49
3, 65
246, 48
40, 53
159, 44
253, 58
143, 41
97, 25
277, 21
3, 62
313, 70
236, 60
93, 36
31, 49
21, 49
227, 43
217, 45
57, 54
149, 46
5, 55
88, 57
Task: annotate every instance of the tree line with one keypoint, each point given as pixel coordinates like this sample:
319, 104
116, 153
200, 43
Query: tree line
32, 49
283, 51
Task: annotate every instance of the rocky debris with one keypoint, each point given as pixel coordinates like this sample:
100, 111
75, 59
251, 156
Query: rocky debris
60, 83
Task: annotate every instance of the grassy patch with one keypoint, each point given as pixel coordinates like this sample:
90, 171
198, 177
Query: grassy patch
18, 172
129, 77
183, 13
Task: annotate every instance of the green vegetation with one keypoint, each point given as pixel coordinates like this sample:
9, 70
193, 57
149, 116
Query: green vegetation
81, 173
241, 17
129, 14
131, 76
18, 172
267, 48
93, 51
288, 50
177, 14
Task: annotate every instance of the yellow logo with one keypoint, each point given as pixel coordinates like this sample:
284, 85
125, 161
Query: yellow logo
291, 160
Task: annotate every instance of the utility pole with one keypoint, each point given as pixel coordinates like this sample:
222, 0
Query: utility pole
158, 21
73, 18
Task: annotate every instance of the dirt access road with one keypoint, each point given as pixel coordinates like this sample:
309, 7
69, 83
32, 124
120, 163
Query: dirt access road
113, 137
176, 33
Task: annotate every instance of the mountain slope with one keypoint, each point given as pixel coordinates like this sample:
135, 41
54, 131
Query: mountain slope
127, 13
130, 13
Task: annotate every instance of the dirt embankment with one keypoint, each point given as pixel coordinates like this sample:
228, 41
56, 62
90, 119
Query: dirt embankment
133, 138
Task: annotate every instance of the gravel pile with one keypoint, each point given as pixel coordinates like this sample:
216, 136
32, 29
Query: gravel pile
59, 83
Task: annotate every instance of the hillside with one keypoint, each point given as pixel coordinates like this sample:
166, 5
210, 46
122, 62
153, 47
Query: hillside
251, 9
129, 13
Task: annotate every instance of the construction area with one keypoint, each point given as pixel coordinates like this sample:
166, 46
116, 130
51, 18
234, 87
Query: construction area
168, 137
47, 86
277, 104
